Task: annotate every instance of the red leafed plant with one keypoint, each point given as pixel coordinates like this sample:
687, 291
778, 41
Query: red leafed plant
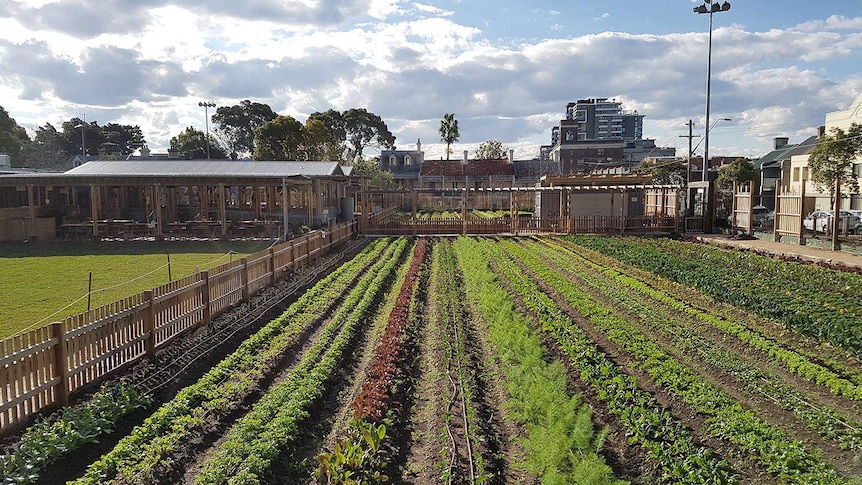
373, 400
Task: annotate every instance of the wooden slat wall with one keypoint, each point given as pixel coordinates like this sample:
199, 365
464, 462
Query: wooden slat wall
104, 339
27, 375
92, 345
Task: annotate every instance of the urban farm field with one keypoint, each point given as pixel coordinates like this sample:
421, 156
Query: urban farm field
41, 283
552, 360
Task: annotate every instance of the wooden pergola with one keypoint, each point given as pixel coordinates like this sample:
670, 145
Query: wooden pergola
208, 202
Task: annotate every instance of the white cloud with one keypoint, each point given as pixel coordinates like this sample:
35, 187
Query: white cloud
430, 9
410, 63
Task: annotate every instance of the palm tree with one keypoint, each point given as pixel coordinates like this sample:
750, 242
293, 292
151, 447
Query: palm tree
449, 131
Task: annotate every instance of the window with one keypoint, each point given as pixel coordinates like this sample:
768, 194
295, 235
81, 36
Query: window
393, 159
407, 160
796, 174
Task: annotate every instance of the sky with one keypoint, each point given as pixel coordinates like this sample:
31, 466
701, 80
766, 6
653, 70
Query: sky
506, 69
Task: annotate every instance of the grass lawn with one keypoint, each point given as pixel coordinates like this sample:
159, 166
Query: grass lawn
44, 282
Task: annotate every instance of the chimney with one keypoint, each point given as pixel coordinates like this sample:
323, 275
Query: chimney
511, 156
173, 153
821, 131
466, 157
145, 152
779, 142
418, 145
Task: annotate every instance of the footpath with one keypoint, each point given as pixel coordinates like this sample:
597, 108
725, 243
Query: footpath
805, 253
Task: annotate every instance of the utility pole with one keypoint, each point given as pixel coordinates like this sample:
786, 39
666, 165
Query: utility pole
690, 136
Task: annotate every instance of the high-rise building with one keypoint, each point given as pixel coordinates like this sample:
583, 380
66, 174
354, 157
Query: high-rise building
597, 134
600, 119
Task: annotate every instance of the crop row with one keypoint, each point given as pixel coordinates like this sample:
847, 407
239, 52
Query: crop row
262, 435
372, 401
460, 362
56, 436
356, 456
561, 444
826, 315
643, 420
223, 389
688, 340
769, 445
807, 359
781, 272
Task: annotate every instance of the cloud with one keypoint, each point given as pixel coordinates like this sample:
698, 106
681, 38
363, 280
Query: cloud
602, 16
430, 9
410, 63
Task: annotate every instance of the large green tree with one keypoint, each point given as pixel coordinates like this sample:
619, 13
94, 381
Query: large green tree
14, 140
449, 132
318, 143
355, 130
192, 143
740, 171
124, 139
366, 129
49, 149
279, 139
833, 157
490, 150
370, 167
664, 172
235, 125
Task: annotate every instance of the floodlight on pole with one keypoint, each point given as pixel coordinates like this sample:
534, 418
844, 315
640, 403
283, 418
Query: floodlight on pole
710, 129
709, 7
206, 105
83, 127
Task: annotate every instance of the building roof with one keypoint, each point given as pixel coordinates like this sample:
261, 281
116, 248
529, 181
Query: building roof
205, 168
535, 168
802, 148
474, 168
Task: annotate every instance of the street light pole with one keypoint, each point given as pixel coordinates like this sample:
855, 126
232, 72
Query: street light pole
709, 7
207, 105
83, 127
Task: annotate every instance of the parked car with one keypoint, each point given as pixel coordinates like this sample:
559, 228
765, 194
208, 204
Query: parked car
821, 220
762, 216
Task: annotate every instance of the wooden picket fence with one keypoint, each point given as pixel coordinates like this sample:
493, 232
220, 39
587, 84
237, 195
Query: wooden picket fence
39, 369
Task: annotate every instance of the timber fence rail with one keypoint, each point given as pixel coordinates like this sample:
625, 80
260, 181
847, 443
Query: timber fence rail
405, 225
39, 369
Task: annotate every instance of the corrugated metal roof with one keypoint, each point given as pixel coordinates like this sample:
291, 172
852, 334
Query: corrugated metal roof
206, 168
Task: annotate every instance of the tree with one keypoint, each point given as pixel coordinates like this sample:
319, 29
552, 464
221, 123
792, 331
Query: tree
355, 130
236, 124
318, 143
449, 131
365, 129
49, 149
491, 150
334, 122
664, 172
382, 179
279, 139
193, 144
740, 171
122, 138
832, 159
14, 140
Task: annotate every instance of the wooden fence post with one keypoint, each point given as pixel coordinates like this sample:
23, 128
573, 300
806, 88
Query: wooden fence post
61, 364
802, 215
205, 298
244, 279
272, 266
150, 323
